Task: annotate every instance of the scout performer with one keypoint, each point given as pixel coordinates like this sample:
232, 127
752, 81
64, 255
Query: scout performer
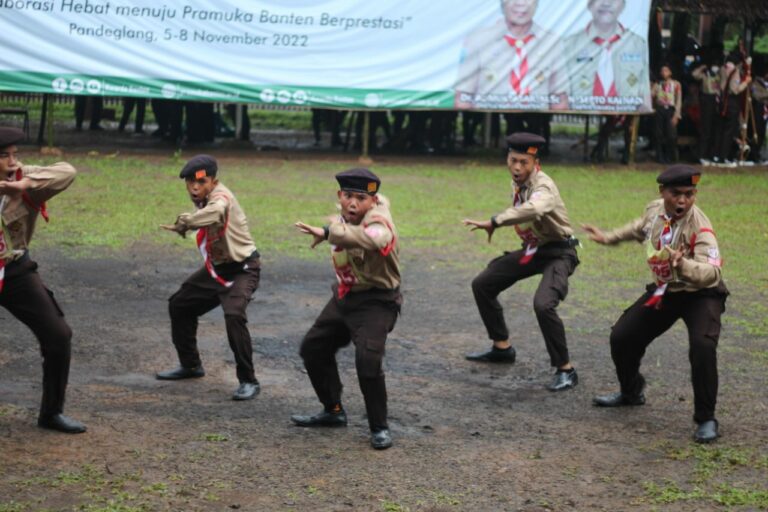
512, 64
229, 276
685, 262
364, 307
668, 102
540, 219
606, 60
24, 189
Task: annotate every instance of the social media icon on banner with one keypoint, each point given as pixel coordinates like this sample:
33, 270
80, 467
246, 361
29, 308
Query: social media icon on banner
93, 86
283, 96
372, 100
168, 91
59, 84
76, 85
299, 97
267, 96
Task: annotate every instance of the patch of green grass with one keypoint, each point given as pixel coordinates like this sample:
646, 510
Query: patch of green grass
393, 506
715, 477
13, 506
216, 438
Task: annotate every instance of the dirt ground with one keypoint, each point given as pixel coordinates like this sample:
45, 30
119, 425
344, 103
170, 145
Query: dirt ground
467, 436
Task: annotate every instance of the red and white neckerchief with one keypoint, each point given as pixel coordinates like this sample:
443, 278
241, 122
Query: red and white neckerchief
604, 84
661, 268
520, 66
42, 209
530, 240
204, 244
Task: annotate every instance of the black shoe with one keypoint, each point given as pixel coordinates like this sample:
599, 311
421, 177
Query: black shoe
181, 373
618, 399
495, 355
381, 439
707, 432
246, 391
323, 419
564, 379
61, 423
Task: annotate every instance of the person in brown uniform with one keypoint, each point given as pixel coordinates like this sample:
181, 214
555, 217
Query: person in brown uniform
541, 221
24, 189
709, 103
667, 96
686, 264
229, 276
364, 306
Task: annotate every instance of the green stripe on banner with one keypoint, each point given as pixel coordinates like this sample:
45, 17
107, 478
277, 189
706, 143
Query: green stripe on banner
25, 81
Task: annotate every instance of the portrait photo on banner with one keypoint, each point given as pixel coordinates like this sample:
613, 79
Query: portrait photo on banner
555, 55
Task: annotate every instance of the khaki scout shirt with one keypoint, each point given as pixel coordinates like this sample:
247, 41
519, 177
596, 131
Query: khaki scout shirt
668, 94
542, 210
18, 217
710, 82
225, 224
701, 264
488, 61
365, 256
630, 69
730, 81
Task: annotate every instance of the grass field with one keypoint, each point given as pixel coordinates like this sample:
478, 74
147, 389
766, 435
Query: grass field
117, 201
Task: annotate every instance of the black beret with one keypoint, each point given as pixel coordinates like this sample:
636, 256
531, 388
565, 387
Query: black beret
523, 142
679, 175
199, 166
358, 180
10, 136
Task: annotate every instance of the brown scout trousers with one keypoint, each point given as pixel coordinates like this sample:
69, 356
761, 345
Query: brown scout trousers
640, 325
26, 298
555, 265
365, 318
199, 294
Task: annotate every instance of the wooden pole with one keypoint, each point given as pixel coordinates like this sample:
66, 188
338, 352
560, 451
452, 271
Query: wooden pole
49, 123
487, 130
43, 112
633, 139
586, 139
364, 158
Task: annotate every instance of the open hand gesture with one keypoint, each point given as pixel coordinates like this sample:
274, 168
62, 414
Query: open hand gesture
485, 225
318, 234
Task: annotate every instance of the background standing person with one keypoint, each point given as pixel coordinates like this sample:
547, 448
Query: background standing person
731, 85
686, 265
128, 105
709, 102
364, 307
540, 219
229, 276
668, 101
23, 192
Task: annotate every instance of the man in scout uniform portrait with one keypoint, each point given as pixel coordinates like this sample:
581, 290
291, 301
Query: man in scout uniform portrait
514, 64
364, 306
539, 217
229, 276
686, 264
606, 60
24, 190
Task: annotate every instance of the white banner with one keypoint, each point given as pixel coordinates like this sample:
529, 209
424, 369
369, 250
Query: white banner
566, 55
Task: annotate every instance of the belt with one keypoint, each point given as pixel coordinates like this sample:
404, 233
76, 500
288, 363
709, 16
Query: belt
568, 243
234, 266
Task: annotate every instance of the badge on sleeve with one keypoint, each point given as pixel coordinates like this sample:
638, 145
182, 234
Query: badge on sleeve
713, 257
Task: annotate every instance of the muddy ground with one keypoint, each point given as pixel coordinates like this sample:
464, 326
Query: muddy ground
467, 436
